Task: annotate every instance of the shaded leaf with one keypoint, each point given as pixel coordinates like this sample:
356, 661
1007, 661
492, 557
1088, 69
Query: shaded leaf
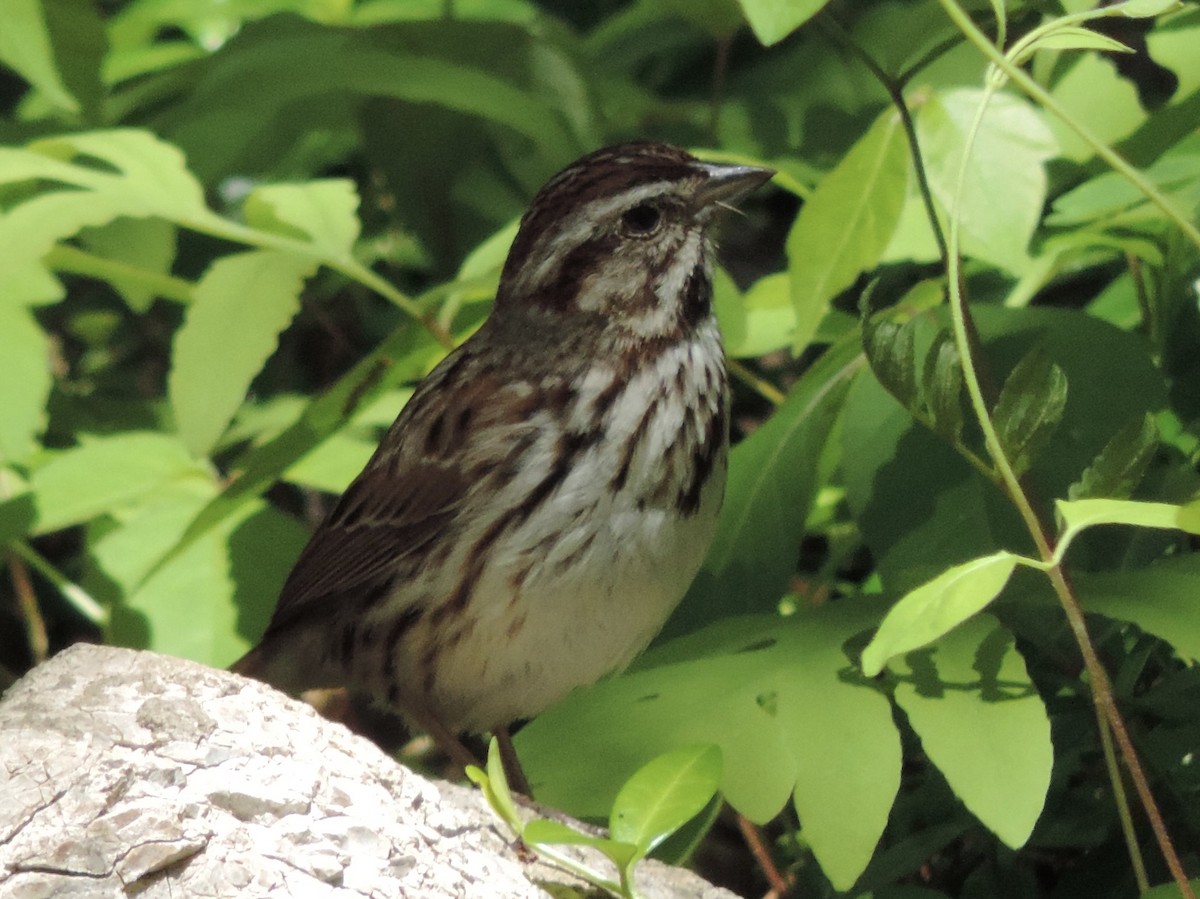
773, 478
1119, 467
779, 699
1030, 408
890, 349
1160, 599
942, 382
981, 721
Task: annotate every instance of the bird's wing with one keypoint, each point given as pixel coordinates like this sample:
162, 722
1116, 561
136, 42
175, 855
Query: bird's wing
384, 518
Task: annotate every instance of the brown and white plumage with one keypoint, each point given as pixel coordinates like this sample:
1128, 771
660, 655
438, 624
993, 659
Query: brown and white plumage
543, 501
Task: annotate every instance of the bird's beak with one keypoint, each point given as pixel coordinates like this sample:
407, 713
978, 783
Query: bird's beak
726, 183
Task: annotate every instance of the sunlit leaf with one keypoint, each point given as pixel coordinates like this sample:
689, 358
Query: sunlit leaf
845, 225
935, 608
664, 795
981, 721
240, 306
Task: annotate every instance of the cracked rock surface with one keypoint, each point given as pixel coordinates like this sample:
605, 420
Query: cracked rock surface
129, 773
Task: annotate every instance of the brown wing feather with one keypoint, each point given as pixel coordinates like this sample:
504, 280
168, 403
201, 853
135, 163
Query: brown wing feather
382, 519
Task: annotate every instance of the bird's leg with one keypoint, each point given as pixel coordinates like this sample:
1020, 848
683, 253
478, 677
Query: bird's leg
445, 738
512, 764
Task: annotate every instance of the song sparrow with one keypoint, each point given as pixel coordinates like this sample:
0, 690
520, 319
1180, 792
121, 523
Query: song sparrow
546, 497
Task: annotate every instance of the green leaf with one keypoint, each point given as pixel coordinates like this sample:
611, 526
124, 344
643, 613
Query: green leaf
220, 575
25, 349
937, 607
891, 351
1072, 37
26, 46
1030, 407
544, 831
1143, 9
1160, 599
1085, 513
145, 248
942, 382
1119, 467
105, 473
773, 20
1005, 188
664, 795
96, 177
781, 701
845, 225
981, 721
239, 308
766, 318
323, 212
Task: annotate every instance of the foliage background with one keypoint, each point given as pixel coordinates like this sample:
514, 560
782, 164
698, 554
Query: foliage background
233, 235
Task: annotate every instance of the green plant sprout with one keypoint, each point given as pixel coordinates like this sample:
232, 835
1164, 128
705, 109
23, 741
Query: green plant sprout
656, 801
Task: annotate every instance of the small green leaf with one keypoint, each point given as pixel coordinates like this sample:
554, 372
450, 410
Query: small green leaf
981, 721
1118, 468
241, 305
937, 607
1072, 37
942, 381
845, 225
25, 349
324, 212
665, 794
773, 20
1085, 513
890, 348
1030, 407
1144, 9
543, 831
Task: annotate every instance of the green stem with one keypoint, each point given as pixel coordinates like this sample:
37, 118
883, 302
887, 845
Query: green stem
217, 226
1108, 716
1042, 96
761, 386
66, 258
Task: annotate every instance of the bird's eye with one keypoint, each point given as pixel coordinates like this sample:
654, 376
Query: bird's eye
641, 219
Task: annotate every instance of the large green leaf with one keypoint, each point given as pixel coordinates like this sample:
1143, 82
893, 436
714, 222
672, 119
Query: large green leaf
780, 699
1005, 187
97, 176
980, 720
207, 601
239, 308
845, 225
1160, 599
103, 474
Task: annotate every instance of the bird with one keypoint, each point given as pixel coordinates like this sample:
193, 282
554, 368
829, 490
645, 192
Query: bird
545, 498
